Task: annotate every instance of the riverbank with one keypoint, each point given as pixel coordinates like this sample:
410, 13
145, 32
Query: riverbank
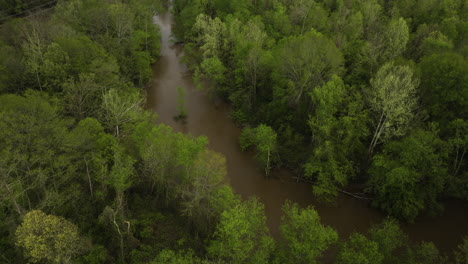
211, 119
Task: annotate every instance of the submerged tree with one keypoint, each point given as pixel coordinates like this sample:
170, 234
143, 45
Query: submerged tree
263, 138
181, 109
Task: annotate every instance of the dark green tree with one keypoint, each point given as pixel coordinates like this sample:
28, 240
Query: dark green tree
410, 174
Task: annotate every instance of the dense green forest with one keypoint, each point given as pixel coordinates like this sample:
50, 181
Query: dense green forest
366, 93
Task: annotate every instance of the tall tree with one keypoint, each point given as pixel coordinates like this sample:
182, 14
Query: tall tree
392, 98
306, 61
119, 108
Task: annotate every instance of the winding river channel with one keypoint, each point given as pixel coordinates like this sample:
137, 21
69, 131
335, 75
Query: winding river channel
210, 117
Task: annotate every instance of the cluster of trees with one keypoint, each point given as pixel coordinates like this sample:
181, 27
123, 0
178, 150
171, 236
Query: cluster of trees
87, 176
240, 237
77, 149
367, 92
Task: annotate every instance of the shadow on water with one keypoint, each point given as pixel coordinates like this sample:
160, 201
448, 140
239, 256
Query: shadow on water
212, 120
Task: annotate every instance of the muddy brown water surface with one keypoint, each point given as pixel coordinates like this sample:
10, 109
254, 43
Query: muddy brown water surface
210, 118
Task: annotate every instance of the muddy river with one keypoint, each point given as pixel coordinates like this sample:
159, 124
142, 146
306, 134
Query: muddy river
209, 117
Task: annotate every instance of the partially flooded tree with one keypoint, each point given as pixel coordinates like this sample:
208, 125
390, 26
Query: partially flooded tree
181, 109
263, 138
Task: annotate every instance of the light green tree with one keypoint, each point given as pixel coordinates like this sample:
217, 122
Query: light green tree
390, 238
205, 176
119, 108
48, 238
263, 138
396, 38
34, 49
305, 237
392, 97
241, 235
387, 43
156, 148
359, 250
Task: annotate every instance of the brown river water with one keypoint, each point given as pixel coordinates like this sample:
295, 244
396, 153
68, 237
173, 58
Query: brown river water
210, 118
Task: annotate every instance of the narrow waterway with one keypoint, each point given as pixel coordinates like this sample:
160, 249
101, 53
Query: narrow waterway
211, 118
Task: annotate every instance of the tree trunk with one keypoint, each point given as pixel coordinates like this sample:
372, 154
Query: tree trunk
377, 133
89, 178
13, 199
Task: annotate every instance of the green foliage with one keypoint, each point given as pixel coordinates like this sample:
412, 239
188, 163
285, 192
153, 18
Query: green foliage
359, 250
426, 252
263, 138
461, 254
390, 239
304, 62
305, 237
206, 174
436, 42
83, 148
48, 237
33, 137
82, 97
337, 125
170, 257
444, 86
458, 143
97, 254
241, 235
120, 108
409, 175
393, 99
